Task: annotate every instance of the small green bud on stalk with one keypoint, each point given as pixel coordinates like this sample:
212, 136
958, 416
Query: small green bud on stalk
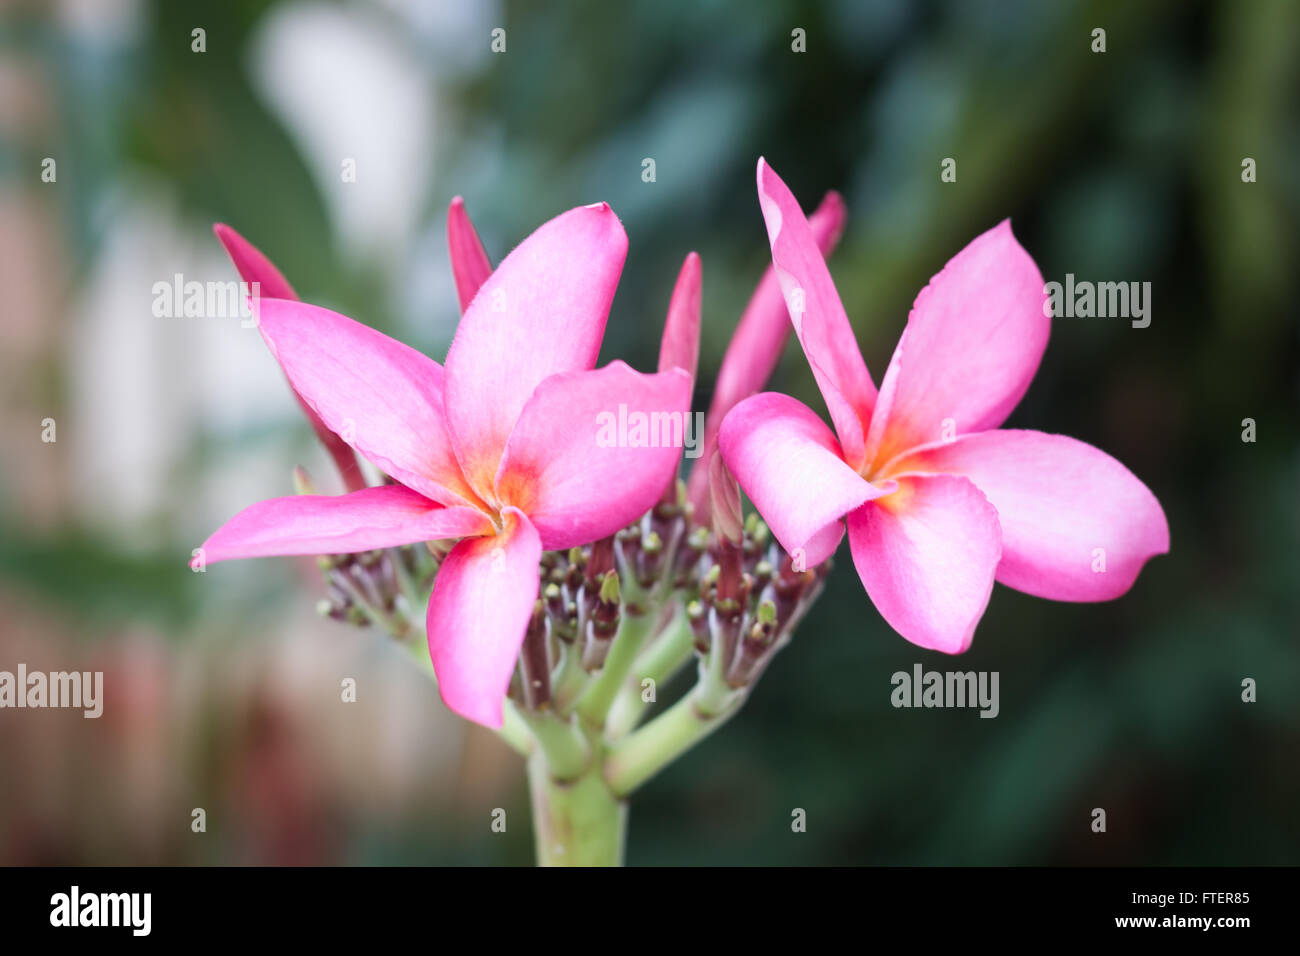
609, 589
709, 585
697, 615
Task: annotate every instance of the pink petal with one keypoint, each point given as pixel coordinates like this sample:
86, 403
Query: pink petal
1058, 501
724, 501
972, 344
576, 471
680, 347
927, 555
818, 315
470, 265
252, 265
541, 312
382, 397
482, 600
756, 345
255, 267
790, 465
379, 517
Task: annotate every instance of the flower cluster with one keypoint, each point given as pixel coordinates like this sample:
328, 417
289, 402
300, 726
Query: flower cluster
561, 577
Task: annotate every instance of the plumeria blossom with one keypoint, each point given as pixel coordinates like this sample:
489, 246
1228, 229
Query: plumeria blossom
939, 501
497, 448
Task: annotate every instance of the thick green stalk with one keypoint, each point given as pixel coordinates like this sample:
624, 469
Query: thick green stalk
658, 663
575, 822
643, 753
595, 702
570, 679
560, 743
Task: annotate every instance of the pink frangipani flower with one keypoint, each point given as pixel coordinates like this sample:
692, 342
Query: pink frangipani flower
497, 448
939, 502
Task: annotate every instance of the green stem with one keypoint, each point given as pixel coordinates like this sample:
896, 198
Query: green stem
577, 822
594, 704
561, 743
514, 731
658, 663
570, 679
643, 753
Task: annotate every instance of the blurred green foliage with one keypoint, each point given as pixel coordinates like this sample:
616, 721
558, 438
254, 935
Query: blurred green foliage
1122, 165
